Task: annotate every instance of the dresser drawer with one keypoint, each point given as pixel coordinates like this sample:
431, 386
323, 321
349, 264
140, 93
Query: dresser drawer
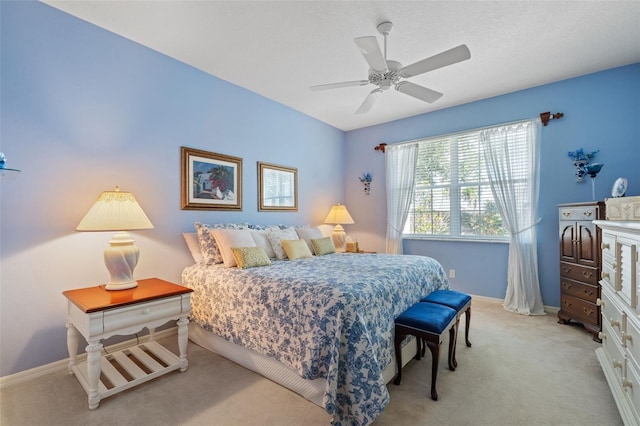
632, 337
612, 315
141, 313
615, 358
580, 310
579, 273
631, 386
608, 244
583, 291
578, 213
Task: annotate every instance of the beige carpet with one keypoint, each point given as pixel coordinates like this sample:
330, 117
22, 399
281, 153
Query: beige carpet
520, 371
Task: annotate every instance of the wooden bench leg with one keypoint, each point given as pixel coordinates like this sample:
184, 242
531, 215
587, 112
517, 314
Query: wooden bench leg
396, 343
467, 324
435, 358
453, 344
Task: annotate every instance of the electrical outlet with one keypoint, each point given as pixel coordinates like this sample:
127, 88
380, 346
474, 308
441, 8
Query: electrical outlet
452, 273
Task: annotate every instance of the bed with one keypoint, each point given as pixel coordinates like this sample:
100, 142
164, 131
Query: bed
322, 325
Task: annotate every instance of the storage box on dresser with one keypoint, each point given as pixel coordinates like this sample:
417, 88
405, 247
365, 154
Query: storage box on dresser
619, 354
580, 264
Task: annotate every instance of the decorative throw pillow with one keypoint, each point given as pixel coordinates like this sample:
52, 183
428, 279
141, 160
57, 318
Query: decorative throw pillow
228, 238
208, 246
275, 235
322, 246
296, 249
262, 240
250, 257
307, 234
191, 238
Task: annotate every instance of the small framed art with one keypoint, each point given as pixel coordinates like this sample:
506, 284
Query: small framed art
277, 188
210, 181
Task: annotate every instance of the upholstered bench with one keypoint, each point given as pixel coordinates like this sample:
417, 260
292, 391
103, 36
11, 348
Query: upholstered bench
428, 322
461, 302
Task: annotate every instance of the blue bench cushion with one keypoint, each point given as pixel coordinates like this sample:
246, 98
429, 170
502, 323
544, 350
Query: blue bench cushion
429, 317
450, 298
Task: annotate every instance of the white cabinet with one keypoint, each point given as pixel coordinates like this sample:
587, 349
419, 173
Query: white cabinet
619, 354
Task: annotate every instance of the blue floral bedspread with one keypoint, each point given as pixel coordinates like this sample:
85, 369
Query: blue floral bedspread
327, 316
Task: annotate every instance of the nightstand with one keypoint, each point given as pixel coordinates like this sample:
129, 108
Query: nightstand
97, 314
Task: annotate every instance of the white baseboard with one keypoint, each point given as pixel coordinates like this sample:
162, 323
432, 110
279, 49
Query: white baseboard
553, 310
62, 365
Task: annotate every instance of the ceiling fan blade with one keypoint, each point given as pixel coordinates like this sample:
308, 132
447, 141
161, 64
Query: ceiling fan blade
339, 85
418, 92
370, 49
448, 57
369, 101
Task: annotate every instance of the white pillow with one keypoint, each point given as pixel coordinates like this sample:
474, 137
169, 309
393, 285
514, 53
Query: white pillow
308, 234
229, 238
191, 238
275, 235
262, 240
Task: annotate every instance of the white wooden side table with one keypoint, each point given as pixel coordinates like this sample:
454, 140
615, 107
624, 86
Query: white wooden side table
97, 314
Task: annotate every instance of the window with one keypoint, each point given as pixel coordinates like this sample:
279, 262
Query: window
452, 194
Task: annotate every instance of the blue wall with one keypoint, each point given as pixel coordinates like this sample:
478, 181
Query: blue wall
84, 110
602, 111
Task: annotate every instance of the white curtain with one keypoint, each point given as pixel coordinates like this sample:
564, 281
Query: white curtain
515, 187
400, 165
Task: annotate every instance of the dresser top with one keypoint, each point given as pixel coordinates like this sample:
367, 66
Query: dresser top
97, 298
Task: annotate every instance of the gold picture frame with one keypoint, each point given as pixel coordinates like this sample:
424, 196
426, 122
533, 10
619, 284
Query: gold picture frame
210, 181
277, 188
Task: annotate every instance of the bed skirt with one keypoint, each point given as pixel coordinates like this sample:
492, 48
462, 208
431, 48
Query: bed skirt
312, 390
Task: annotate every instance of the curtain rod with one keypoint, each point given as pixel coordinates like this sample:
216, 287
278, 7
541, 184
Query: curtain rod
544, 118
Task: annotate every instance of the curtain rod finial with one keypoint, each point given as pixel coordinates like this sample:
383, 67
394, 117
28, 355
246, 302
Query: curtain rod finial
546, 116
381, 147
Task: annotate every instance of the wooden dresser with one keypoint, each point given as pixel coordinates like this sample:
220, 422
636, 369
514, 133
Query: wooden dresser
619, 354
580, 264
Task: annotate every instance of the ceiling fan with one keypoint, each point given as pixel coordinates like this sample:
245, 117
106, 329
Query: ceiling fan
385, 73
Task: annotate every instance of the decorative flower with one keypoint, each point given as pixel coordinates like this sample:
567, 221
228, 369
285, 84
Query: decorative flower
365, 177
579, 155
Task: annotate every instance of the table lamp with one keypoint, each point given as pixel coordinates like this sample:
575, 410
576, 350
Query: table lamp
339, 215
117, 211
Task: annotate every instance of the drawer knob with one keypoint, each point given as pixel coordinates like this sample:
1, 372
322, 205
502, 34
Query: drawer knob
616, 364
567, 286
602, 335
588, 311
604, 246
604, 275
614, 323
627, 383
566, 269
599, 302
587, 274
626, 336
588, 292
614, 265
565, 214
587, 214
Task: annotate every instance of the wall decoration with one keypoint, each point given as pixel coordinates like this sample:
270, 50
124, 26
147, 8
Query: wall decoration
581, 159
277, 188
210, 181
366, 181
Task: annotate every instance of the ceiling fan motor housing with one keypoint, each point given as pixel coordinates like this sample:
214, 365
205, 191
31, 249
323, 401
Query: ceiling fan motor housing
387, 79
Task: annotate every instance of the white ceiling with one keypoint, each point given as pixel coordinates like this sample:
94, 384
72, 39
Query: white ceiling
280, 48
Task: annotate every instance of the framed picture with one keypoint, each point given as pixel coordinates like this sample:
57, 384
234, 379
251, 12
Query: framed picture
210, 181
277, 188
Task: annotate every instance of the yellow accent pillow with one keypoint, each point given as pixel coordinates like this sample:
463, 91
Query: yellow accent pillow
296, 249
323, 246
250, 257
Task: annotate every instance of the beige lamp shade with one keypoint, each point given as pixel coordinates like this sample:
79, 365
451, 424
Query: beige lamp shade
339, 215
117, 211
